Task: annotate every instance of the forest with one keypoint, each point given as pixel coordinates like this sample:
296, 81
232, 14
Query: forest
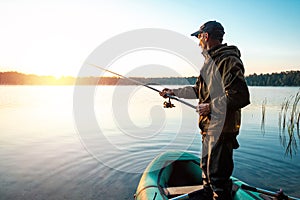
288, 78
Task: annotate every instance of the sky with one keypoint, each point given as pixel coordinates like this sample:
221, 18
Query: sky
56, 37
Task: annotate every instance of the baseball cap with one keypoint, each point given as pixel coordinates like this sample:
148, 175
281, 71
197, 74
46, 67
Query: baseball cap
213, 28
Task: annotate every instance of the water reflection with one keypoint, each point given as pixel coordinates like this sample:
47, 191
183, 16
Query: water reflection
42, 156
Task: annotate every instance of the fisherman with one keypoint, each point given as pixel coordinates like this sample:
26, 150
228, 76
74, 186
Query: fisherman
222, 92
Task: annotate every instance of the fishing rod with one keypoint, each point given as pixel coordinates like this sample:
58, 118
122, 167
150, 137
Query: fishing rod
166, 104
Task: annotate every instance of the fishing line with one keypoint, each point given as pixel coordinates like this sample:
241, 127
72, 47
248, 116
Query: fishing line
166, 104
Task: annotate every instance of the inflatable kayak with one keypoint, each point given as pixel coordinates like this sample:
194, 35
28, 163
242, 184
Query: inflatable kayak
177, 175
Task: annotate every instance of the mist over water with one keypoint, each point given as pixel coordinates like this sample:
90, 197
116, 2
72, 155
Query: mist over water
44, 156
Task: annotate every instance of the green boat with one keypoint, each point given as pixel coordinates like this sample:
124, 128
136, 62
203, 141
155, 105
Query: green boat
177, 175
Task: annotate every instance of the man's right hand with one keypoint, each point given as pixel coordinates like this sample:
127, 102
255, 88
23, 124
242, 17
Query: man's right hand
165, 92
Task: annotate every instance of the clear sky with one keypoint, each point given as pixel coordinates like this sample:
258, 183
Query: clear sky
55, 37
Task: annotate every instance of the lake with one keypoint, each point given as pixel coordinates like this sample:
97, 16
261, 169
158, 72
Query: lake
94, 143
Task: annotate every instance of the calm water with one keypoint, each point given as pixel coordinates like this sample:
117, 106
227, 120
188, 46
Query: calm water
52, 150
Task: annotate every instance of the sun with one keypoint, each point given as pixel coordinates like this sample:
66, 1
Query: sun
57, 76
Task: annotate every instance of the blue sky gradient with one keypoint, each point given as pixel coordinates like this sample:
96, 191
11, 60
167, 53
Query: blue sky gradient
55, 37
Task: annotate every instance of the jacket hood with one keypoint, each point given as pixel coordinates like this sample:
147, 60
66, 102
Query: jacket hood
223, 49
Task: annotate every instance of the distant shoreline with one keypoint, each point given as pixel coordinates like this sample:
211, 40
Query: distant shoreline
288, 78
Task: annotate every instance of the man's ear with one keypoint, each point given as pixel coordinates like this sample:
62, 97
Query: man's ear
205, 36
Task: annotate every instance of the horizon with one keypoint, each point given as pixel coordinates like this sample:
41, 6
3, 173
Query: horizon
56, 37
287, 78
115, 76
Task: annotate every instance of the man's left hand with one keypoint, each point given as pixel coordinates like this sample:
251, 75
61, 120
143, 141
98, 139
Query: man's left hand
203, 109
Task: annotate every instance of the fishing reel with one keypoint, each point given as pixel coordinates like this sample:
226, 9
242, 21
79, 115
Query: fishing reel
168, 104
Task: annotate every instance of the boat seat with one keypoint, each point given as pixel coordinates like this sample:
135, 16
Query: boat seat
170, 191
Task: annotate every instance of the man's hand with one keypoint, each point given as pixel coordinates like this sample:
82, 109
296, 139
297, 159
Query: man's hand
203, 109
165, 92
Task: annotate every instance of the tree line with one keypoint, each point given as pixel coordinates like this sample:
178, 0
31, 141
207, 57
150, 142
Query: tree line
288, 78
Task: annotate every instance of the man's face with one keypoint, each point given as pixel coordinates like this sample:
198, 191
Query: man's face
203, 40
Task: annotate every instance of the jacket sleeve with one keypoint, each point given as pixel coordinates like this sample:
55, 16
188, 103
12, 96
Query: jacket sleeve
189, 92
236, 93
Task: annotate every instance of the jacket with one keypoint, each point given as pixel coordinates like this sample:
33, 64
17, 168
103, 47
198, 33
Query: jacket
222, 84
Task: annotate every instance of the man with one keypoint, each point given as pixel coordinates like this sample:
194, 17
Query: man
222, 92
